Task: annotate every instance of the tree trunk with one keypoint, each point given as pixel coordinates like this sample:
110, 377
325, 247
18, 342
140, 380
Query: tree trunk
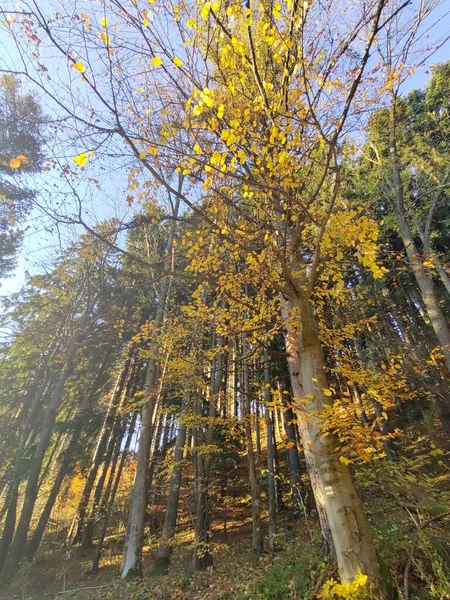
352, 538
112, 450
276, 470
202, 553
271, 489
422, 275
257, 430
299, 496
108, 500
18, 545
64, 470
132, 554
165, 550
202, 557
292, 343
254, 477
77, 525
10, 522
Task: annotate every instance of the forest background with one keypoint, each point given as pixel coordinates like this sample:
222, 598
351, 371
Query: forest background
239, 323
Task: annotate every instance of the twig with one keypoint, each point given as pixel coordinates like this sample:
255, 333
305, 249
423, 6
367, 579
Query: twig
82, 588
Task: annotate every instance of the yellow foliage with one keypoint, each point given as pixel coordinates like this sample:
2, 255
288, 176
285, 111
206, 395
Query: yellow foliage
353, 590
80, 159
78, 66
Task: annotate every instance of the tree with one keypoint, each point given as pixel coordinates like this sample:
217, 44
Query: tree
21, 139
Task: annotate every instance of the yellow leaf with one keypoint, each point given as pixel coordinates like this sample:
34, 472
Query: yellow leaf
276, 11
360, 579
81, 159
104, 37
178, 61
21, 157
157, 61
145, 22
14, 163
344, 460
78, 66
103, 22
205, 10
327, 392
142, 154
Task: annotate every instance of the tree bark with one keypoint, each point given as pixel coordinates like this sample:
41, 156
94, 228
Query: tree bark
352, 538
202, 552
10, 522
170, 521
299, 497
292, 343
110, 459
254, 476
271, 488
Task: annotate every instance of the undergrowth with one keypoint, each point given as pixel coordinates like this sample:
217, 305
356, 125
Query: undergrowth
407, 502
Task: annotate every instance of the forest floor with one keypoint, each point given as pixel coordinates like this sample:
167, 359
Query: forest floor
407, 503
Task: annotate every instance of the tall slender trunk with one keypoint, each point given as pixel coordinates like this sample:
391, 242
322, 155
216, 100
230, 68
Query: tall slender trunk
271, 488
156, 454
170, 521
202, 553
421, 273
64, 470
132, 554
276, 468
49, 464
299, 496
112, 450
257, 416
76, 529
202, 557
352, 538
18, 544
232, 380
10, 522
254, 476
108, 499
